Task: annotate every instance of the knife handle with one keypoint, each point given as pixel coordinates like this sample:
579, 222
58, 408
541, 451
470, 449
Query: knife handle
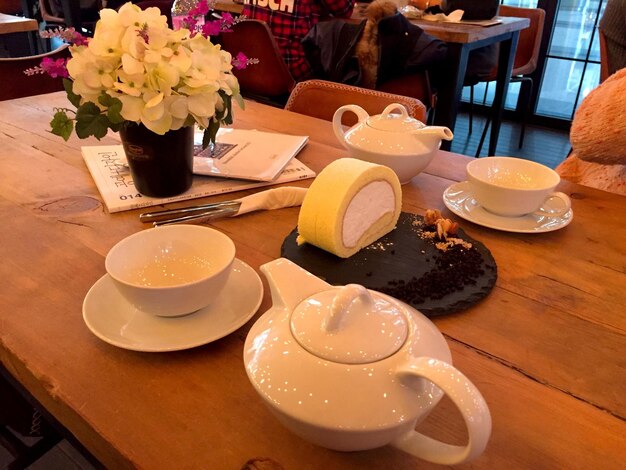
199, 218
184, 211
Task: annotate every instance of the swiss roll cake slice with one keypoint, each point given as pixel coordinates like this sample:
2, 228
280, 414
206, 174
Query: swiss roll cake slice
350, 204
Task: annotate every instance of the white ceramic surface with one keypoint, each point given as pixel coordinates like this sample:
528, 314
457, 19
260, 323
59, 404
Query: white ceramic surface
111, 318
394, 139
514, 187
313, 359
460, 200
171, 270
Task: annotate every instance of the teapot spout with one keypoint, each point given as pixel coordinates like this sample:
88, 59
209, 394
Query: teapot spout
290, 284
439, 132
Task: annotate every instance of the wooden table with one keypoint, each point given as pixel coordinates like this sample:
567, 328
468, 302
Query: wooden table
10, 24
16, 24
462, 39
546, 347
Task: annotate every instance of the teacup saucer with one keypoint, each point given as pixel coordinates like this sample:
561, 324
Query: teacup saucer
458, 198
112, 319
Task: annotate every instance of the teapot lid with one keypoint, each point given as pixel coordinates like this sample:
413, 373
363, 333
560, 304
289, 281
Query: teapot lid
349, 325
388, 121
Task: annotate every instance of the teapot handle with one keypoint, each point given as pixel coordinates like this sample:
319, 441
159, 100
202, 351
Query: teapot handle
467, 399
361, 114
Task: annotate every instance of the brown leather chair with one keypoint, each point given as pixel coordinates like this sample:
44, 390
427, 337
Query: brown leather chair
320, 99
11, 7
269, 81
15, 84
526, 57
604, 57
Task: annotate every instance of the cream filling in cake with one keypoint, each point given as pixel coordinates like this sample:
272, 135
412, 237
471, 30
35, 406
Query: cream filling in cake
368, 205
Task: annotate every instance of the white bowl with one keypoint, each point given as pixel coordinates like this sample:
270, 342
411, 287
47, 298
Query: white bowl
514, 187
171, 270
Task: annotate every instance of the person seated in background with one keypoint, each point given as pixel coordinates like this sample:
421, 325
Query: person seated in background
383, 46
291, 20
89, 9
598, 138
613, 25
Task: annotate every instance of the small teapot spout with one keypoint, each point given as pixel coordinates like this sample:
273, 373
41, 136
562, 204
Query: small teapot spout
434, 131
290, 284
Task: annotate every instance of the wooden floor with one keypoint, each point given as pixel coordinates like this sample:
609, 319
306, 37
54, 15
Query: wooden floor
543, 145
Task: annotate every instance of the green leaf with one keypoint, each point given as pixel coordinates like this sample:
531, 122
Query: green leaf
90, 121
73, 97
62, 125
228, 109
210, 133
240, 101
114, 108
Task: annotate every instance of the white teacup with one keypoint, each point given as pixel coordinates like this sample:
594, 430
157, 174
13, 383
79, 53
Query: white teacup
171, 270
514, 187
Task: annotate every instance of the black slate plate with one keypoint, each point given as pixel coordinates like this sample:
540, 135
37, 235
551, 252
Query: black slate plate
405, 265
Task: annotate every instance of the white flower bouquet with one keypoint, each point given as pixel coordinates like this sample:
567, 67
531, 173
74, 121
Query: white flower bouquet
138, 70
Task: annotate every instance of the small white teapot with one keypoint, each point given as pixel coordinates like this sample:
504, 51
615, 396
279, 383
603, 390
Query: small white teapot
398, 141
351, 369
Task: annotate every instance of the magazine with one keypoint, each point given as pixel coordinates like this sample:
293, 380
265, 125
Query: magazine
108, 167
246, 154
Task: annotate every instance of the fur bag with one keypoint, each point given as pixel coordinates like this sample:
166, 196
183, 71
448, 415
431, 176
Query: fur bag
367, 49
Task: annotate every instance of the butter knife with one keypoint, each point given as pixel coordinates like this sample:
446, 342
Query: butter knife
276, 198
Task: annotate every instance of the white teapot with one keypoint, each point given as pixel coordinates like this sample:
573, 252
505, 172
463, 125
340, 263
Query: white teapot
398, 141
351, 369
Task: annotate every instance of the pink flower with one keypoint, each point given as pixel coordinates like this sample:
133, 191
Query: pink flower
55, 68
201, 9
240, 61
227, 21
211, 28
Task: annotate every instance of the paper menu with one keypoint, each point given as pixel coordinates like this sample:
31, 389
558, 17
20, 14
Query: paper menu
107, 165
246, 154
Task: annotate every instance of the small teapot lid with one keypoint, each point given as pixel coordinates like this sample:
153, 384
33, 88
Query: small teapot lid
389, 121
349, 325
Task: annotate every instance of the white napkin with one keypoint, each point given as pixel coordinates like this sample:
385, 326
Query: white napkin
277, 198
452, 17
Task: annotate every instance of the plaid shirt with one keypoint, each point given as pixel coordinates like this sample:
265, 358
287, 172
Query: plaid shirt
292, 24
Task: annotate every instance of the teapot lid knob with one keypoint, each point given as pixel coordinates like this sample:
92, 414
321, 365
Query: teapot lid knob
349, 325
395, 122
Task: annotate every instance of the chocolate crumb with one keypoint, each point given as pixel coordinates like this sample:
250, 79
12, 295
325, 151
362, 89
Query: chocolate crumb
453, 270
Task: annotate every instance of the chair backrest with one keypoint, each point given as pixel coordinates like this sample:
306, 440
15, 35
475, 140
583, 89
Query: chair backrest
270, 77
413, 85
604, 57
527, 53
15, 84
320, 99
164, 5
10, 7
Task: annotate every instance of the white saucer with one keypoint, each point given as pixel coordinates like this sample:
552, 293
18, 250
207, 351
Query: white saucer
458, 198
112, 319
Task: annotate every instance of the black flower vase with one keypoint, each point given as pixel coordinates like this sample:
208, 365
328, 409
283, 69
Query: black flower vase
161, 165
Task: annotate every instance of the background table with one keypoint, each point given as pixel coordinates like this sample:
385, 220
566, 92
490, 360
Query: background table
546, 347
10, 24
462, 39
